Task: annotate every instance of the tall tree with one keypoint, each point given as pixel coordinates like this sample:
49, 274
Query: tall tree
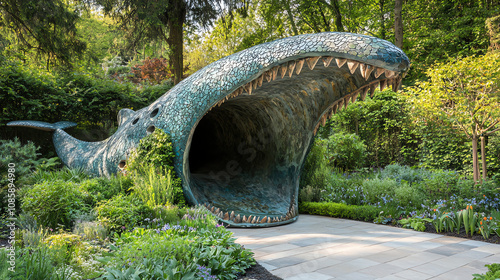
398, 24
165, 20
47, 26
467, 92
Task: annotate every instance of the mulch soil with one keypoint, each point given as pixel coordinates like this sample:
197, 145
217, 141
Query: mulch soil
258, 272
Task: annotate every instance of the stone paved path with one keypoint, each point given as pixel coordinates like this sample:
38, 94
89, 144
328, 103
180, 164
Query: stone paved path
320, 248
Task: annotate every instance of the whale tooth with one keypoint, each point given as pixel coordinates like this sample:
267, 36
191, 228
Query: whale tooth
339, 104
378, 72
244, 219
383, 84
334, 108
340, 61
362, 69
363, 93
291, 67
366, 72
217, 211
255, 83
395, 85
390, 82
327, 61
212, 209
255, 220
249, 219
311, 62
226, 216
372, 89
283, 69
264, 220
237, 219
346, 101
355, 96
231, 217
248, 88
389, 73
323, 120
260, 80
299, 66
316, 129
353, 65
269, 76
275, 72
369, 71
330, 112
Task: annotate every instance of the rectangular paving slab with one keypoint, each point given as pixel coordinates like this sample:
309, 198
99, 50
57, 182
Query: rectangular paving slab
317, 247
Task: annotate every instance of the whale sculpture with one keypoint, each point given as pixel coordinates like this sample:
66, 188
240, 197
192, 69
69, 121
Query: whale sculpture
242, 126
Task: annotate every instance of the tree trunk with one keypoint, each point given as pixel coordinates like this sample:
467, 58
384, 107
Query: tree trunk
177, 16
338, 16
483, 157
382, 19
474, 159
398, 24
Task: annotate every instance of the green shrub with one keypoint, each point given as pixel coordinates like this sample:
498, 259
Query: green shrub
90, 230
379, 189
154, 186
408, 196
24, 158
493, 273
402, 173
155, 150
75, 175
191, 244
315, 173
344, 190
338, 210
52, 203
4, 265
98, 189
310, 194
29, 93
440, 184
345, 151
122, 212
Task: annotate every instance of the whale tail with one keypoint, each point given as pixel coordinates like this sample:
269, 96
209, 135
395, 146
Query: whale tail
43, 125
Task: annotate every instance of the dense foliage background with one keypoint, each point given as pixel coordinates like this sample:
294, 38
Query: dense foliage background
411, 158
104, 72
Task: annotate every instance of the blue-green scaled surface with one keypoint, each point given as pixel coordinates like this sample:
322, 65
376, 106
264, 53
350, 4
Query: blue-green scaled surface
243, 125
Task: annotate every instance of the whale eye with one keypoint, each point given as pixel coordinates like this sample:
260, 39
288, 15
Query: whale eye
122, 164
154, 113
135, 121
150, 129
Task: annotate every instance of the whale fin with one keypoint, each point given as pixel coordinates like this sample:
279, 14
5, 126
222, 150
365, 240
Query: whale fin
43, 125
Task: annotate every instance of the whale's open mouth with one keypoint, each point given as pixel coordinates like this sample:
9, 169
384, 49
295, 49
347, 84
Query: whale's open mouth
245, 155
